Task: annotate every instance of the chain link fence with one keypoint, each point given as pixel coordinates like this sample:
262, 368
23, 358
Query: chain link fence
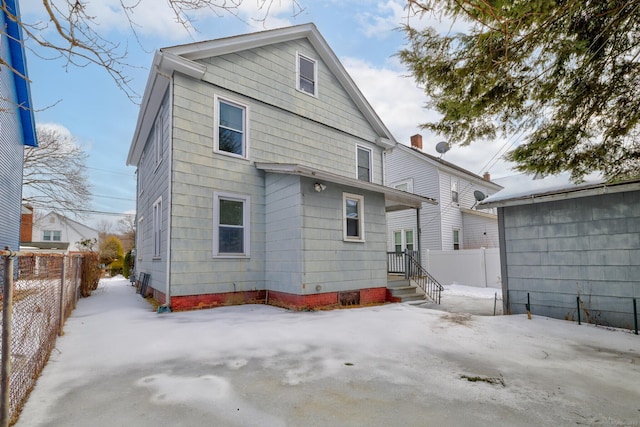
597, 309
38, 293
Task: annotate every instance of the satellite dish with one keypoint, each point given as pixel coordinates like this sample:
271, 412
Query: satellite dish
479, 195
442, 147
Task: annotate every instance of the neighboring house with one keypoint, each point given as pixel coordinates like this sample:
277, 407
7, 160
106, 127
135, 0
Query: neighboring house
17, 125
55, 232
260, 176
561, 242
455, 222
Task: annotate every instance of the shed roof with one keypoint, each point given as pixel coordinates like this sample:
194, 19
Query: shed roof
529, 191
394, 199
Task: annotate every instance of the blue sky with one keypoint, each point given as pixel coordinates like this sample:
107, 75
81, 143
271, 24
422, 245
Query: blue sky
87, 102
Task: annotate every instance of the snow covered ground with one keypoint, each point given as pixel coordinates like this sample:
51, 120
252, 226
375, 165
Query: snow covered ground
121, 364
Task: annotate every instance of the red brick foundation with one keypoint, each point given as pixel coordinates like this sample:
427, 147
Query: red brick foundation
280, 299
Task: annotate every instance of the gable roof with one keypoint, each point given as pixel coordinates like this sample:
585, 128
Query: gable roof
182, 58
20, 76
81, 229
449, 167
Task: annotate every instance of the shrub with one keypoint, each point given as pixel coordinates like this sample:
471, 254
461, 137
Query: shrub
89, 273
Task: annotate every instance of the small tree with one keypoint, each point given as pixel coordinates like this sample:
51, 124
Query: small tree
111, 253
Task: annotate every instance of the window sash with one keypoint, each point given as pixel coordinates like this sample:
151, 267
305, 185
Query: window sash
157, 227
454, 190
364, 164
353, 217
456, 239
307, 71
231, 225
231, 124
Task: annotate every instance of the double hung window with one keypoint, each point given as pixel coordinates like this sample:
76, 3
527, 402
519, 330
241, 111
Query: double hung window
364, 163
353, 208
307, 70
157, 227
231, 225
231, 128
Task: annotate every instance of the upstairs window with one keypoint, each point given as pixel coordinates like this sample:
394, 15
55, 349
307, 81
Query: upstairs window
51, 235
307, 70
231, 128
158, 138
454, 191
364, 163
353, 206
404, 186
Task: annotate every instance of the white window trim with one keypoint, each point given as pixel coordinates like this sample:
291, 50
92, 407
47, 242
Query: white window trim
157, 228
158, 139
315, 74
216, 124
246, 219
360, 200
455, 181
362, 147
409, 183
403, 238
453, 241
140, 238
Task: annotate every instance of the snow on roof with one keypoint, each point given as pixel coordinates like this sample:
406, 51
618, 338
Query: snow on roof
526, 186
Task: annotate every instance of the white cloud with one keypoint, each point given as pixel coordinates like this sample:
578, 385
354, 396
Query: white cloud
386, 17
401, 106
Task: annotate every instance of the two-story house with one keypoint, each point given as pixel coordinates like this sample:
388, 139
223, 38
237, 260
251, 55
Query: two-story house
260, 176
455, 222
55, 233
17, 124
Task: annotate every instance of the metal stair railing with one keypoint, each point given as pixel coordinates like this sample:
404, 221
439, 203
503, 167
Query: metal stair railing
414, 271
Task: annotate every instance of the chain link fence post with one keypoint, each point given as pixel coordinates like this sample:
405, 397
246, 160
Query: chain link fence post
7, 308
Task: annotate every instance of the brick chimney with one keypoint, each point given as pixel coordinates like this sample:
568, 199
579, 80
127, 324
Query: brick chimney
416, 141
26, 224
487, 176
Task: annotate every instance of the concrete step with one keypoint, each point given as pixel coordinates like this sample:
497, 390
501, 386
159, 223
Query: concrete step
412, 297
402, 290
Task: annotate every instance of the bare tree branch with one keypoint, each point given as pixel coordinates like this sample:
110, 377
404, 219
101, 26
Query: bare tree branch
76, 39
54, 175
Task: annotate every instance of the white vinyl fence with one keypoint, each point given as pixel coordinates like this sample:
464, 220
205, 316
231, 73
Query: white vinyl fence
470, 267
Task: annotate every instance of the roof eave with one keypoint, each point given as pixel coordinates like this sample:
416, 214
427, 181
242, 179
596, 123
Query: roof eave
570, 193
394, 199
162, 69
21, 76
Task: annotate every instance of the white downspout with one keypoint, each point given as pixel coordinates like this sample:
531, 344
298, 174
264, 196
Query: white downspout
170, 191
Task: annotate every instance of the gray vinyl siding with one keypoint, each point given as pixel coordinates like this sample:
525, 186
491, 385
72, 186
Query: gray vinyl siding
331, 263
11, 156
293, 248
268, 74
591, 245
153, 184
288, 125
284, 267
